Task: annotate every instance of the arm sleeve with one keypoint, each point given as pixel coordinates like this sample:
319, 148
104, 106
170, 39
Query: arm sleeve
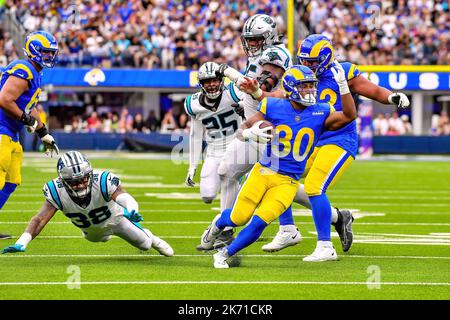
188, 107
195, 143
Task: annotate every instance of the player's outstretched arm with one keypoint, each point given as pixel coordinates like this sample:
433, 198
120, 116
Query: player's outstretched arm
11, 91
37, 223
366, 88
337, 120
195, 150
125, 200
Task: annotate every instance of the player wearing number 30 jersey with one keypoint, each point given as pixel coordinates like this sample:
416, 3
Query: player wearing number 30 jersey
273, 182
95, 202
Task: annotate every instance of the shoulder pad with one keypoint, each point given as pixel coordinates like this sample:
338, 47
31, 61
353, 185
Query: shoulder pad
20, 70
109, 183
188, 104
351, 70
50, 190
277, 56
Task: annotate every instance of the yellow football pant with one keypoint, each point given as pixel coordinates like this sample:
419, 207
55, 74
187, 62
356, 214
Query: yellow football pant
11, 154
265, 193
324, 168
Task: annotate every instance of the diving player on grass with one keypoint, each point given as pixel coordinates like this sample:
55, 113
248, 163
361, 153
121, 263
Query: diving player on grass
273, 182
95, 202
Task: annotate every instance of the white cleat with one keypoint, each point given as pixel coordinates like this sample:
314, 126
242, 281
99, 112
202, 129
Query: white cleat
210, 235
162, 247
220, 259
323, 252
282, 240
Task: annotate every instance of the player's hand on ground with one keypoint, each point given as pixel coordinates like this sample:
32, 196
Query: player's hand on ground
190, 178
399, 99
50, 145
257, 134
132, 215
13, 249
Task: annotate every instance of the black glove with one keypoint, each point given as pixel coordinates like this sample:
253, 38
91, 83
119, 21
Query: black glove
221, 70
239, 109
30, 122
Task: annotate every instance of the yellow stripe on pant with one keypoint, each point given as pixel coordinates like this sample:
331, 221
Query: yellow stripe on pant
265, 193
324, 168
11, 154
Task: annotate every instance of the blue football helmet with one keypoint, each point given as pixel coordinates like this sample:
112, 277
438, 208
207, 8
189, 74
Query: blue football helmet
42, 48
294, 81
316, 52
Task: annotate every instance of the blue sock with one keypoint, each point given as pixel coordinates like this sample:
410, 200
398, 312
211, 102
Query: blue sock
247, 236
321, 211
6, 192
286, 217
225, 220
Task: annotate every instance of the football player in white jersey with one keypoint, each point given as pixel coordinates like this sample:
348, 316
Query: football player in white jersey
95, 202
268, 59
214, 113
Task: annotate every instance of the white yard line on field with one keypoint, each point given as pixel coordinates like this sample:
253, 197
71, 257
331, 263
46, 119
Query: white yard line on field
226, 282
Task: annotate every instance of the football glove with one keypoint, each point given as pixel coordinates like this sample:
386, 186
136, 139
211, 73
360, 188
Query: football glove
132, 215
220, 73
14, 248
239, 109
339, 76
399, 99
190, 178
29, 122
257, 134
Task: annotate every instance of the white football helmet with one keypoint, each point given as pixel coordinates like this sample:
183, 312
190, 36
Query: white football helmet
75, 172
208, 71
261, 29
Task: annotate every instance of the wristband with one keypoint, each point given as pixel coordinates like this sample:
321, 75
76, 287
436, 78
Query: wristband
42, 131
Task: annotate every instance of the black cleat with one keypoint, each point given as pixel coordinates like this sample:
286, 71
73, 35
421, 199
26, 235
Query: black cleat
4, 236
224, 239
344, 228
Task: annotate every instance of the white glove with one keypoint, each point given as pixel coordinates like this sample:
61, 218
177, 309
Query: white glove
339, 76
399, 99
257, 134
190, 178
50, 145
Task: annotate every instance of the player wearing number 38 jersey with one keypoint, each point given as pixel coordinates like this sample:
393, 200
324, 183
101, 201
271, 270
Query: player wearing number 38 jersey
95, 202
273, 182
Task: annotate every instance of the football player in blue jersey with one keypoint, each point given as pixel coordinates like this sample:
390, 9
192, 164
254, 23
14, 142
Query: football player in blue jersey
20, 86
336, 149
273, 182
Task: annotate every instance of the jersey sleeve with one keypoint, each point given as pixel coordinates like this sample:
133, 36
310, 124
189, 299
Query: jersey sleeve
236, 94
264, 108
188, 106
109, 183
51, 194
276, 56
20, 70
351, 70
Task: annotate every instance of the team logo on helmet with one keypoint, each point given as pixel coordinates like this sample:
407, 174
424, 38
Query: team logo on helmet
300, 85
317, 53
42, 48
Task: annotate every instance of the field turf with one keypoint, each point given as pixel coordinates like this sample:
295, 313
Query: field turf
401, 248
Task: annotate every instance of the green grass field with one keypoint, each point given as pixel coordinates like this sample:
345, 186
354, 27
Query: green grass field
401, 248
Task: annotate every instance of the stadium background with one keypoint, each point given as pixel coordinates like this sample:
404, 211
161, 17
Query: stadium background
119, 59
125, 67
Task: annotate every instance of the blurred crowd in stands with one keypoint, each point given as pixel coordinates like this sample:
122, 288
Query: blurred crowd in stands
182, 34
125, 122
365, 32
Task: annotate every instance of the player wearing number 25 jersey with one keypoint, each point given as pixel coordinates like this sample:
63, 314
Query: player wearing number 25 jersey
95, 202
273, 182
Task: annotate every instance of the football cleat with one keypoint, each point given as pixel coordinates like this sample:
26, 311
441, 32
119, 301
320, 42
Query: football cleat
162, 247
220, 259
209, 236
344, 228
4, 236
323, 252
224, 239
283, 239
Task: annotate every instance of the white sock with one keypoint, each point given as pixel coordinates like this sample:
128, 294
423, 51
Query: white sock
326, 244
334, 215
288, 228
